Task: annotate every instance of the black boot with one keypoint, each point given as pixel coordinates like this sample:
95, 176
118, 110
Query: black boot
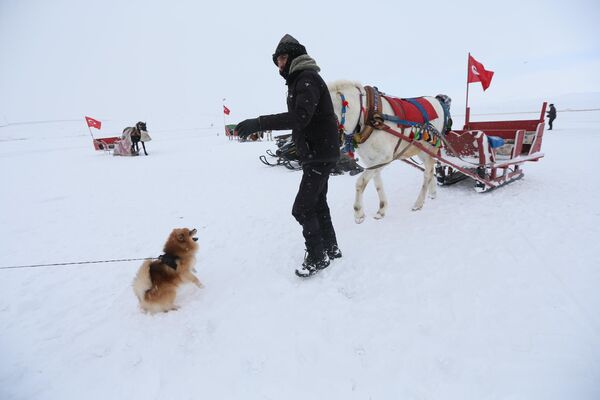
333, 251
312, 264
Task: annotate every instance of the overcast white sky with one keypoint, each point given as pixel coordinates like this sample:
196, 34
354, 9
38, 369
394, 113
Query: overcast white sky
149, 60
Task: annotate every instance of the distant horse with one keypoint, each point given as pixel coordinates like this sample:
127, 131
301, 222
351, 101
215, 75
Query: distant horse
380, 148
138, 134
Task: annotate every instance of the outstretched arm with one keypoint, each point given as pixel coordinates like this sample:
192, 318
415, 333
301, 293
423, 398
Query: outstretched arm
305, 104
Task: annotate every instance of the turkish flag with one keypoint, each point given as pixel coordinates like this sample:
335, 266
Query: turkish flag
92, 123
226, 110
478, 73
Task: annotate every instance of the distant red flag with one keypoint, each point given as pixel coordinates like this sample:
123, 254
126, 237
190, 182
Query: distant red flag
92, 123
478, 73
226, 110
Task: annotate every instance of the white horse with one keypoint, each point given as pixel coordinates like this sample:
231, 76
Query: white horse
381, 148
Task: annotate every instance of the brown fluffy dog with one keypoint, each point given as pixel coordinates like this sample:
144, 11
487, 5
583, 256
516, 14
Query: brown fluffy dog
156, 282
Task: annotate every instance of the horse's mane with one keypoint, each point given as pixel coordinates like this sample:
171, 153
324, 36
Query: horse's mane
342, 84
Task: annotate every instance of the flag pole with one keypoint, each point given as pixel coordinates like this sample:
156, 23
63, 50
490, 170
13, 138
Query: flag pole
89, 129
224, 124
467, 100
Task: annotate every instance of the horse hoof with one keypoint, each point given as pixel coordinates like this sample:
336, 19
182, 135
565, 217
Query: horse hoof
359, 220
415, 208
379, 216
433, 196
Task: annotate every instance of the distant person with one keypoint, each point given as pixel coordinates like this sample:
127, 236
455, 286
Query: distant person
313, 123
551, 116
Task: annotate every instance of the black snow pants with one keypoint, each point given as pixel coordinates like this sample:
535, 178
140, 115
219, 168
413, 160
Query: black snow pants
311, 209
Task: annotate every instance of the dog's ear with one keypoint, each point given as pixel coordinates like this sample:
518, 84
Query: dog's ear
180, 237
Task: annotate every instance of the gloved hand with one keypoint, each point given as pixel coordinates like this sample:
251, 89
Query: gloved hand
247, 127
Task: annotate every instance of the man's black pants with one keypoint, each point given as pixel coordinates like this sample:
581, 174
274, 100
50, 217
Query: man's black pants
311, 209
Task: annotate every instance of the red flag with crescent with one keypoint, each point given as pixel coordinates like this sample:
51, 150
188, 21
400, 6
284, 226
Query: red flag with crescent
478, 73
93, 123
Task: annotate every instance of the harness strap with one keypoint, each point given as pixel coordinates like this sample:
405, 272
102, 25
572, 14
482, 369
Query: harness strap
415, 103
344, 108
396, 157
400, 121
373, 117
346, 138
169, 259
362, 111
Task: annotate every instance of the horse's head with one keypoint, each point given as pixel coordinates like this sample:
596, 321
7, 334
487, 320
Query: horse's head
346, 98
141, 126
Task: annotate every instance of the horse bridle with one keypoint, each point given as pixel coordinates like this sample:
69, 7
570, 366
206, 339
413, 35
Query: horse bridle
345, 104
348, 138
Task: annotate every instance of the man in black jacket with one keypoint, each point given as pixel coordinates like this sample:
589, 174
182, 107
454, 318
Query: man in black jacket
313, 123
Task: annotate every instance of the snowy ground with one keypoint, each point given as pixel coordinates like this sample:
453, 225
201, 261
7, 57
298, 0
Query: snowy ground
477, 296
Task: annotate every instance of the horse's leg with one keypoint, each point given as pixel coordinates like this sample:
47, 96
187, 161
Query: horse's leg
433, 181
383, 202
144, 146
428, 164
361, 184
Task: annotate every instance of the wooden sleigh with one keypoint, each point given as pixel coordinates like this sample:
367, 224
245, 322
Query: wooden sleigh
490, 152
106, 144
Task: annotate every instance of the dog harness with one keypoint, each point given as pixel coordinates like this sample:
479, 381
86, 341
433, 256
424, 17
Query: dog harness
169, 259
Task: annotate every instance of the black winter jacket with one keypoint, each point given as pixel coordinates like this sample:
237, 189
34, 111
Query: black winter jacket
311, 118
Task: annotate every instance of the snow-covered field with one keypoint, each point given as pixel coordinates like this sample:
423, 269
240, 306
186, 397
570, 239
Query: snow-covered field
477, 296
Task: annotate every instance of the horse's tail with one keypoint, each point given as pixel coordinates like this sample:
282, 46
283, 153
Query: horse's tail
445, 102
440, 118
